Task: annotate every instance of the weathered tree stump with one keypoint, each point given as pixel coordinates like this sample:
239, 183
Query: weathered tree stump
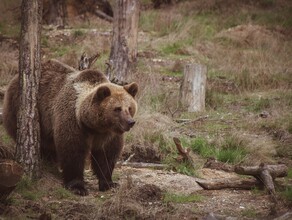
125, 38
10, 174
193, 87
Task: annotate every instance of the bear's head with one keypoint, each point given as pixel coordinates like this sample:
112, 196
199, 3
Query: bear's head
110, 108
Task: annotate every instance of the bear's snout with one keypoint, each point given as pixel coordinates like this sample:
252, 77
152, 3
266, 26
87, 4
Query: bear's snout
131, 123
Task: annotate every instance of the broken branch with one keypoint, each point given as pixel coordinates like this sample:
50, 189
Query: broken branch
185, 153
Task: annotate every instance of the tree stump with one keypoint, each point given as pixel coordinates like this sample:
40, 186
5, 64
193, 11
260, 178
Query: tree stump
124, 41
10, 174
193, 87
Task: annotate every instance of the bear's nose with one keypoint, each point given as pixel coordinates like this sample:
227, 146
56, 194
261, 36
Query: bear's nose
131, 122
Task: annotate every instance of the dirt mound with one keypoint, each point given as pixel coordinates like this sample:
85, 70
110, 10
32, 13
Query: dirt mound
252, 35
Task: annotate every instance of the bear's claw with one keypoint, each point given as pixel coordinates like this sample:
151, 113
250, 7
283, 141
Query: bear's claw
77, 187
104, 186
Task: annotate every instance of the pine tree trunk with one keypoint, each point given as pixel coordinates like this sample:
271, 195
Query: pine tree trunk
125, 35
28, 129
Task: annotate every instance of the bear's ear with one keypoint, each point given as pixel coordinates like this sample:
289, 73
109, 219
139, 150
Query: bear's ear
132, 89
101, 93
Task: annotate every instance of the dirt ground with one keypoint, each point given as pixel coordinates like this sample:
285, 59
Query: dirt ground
143, 192
141, 195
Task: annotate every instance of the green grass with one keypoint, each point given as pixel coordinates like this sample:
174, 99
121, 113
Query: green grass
10, 30
61, 50
249, 213
27, 189
289, 175
202, 147
175, 198
62, 193
232, 150
261, 104
287, 193
78, 33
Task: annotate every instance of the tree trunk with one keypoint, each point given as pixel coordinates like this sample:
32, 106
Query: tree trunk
193, 87
56, 12
124, 41
28, 129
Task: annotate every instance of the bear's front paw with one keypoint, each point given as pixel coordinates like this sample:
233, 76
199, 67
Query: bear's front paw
77, 187
105, 185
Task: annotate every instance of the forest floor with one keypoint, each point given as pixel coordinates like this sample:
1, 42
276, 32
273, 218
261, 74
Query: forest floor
231, 48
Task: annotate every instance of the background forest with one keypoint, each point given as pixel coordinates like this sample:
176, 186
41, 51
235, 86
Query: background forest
247, 48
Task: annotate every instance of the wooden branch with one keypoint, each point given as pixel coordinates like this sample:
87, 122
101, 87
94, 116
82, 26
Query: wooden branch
103, 15
185, 153
187, 121
218, 165
215, 184
143, 165
86, 62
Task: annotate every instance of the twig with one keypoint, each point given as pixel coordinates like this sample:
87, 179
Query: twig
129, 158
187, 121
143, 165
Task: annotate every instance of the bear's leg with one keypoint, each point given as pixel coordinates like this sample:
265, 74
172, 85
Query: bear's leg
72, 162
103, 161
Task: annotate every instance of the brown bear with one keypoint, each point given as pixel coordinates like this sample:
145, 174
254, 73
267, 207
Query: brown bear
80, 113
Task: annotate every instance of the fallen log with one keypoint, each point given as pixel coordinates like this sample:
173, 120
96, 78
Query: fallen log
278, 170
218, 165
265, 173
216, 184
10, 174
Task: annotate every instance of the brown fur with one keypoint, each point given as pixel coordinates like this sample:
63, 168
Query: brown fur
80, 112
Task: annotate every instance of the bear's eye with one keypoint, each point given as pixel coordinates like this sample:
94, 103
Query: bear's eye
118, 109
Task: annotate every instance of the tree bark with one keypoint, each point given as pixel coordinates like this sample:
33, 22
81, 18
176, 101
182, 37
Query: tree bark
56, 12
193, 87
124, 41
28, 129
